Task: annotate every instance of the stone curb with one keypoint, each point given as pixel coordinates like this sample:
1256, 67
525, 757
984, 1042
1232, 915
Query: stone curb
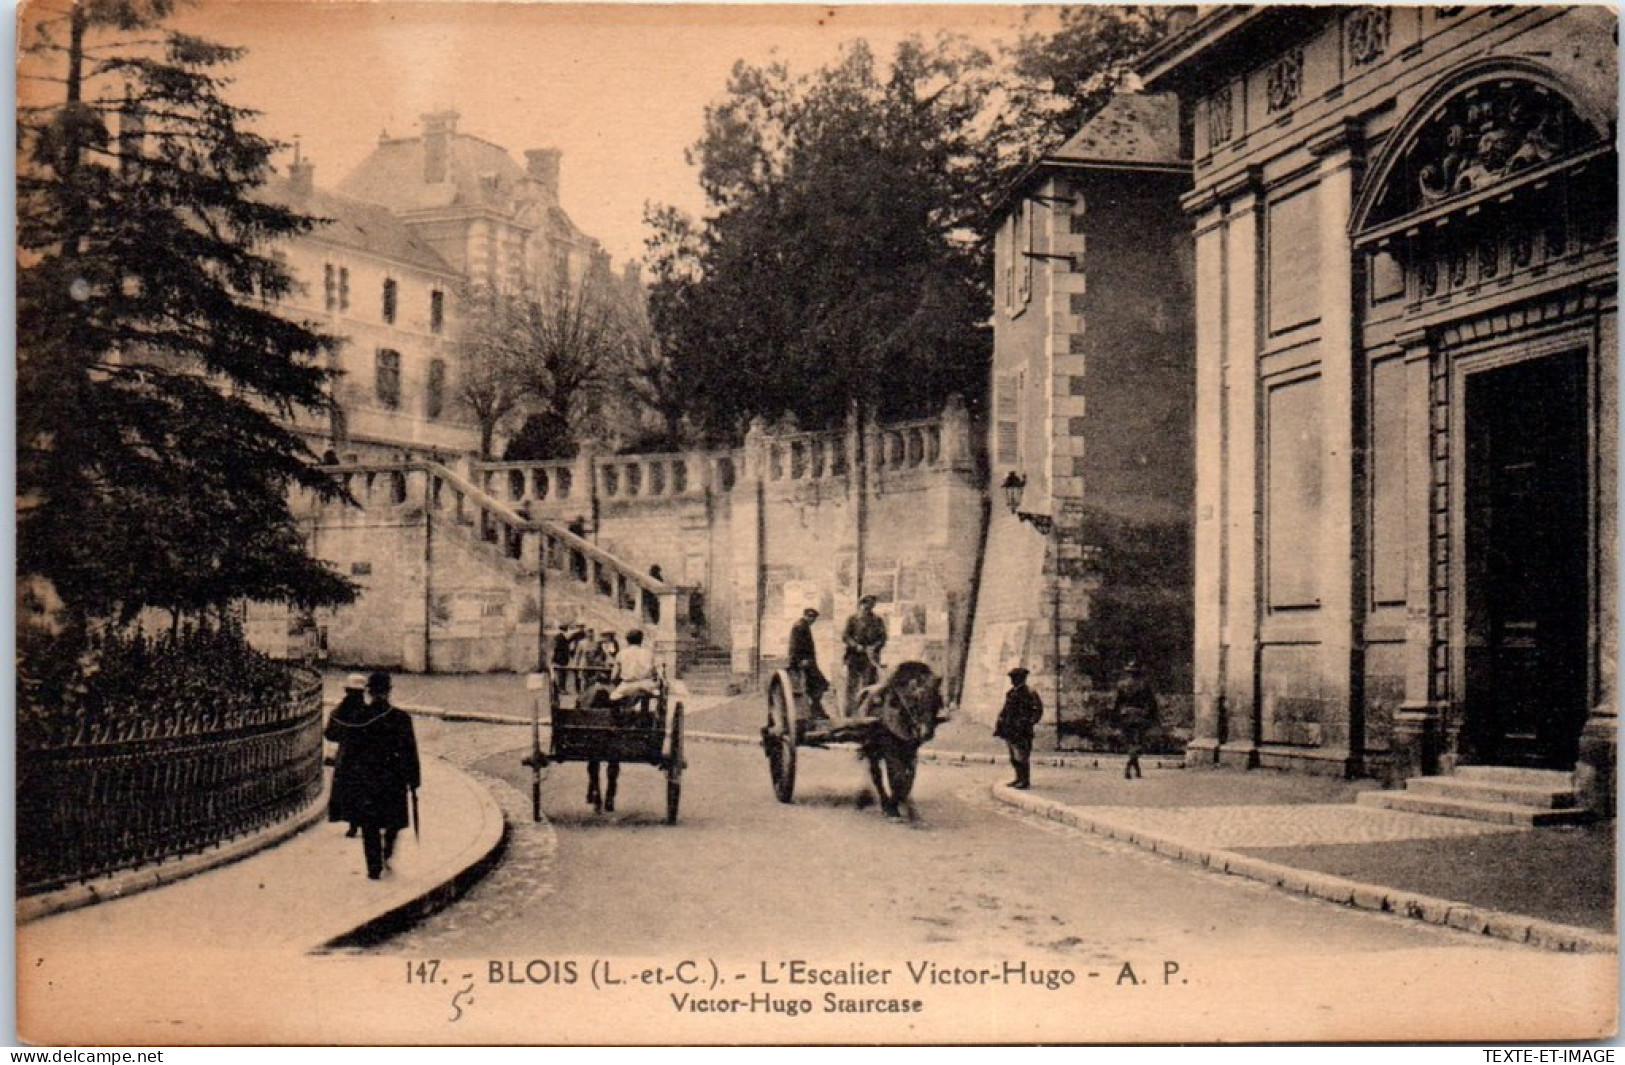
1053, 761
132, 881
489, 849
1547, 935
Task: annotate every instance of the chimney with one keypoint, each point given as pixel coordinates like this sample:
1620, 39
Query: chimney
301, 172
542, 167
437, 132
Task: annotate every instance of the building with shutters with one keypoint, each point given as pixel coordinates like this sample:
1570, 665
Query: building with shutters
1406, 376
370, 279
1091, 412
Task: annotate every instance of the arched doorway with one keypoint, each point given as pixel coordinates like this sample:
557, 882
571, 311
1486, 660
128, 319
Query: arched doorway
1486, 234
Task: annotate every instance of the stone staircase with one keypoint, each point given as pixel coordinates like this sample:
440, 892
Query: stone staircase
1507, 795
708, 671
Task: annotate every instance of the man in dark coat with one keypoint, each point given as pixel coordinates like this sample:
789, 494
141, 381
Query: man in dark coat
1023, 709
1135, 708
351, 707
804, 657
865, 637
381, 768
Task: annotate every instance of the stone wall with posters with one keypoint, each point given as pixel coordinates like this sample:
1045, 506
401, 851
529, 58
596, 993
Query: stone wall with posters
820, 519
749, 538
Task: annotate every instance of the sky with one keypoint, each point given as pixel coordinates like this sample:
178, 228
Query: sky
620, 88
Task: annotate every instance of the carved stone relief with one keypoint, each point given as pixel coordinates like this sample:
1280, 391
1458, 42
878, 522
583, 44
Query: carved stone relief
1284, 82
1367, 30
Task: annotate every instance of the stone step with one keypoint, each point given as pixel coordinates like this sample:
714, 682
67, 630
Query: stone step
1491, 812
1537, 796
1513, 774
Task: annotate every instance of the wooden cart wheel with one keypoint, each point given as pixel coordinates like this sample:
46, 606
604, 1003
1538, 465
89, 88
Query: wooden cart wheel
674, 766
780, 738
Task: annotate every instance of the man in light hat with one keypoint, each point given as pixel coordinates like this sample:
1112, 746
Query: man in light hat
864, 636
1023, 709
350, 707
382, 773
804, 658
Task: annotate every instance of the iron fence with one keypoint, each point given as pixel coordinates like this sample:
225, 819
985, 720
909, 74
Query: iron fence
132, 792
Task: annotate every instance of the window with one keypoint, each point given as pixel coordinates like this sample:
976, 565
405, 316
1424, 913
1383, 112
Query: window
1024, 284
330, 287
388, 377
1007, 415
437, 310
344, 288
389, 300
435, 402
1013, 232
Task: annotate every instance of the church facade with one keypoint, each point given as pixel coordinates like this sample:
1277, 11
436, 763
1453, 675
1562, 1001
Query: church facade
1406, 321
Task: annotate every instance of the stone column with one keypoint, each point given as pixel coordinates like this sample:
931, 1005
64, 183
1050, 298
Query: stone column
1242, 504
1342, 546
1210, 471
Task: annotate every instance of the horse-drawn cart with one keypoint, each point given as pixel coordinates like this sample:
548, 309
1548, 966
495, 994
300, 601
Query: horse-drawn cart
892, 719
587, 727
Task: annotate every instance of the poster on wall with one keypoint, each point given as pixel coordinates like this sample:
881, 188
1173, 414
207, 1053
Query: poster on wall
713, 233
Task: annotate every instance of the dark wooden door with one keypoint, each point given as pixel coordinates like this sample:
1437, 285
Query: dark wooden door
1527, 590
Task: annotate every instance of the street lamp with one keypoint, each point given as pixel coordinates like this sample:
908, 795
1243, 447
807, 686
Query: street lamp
1014, 485
1088, 561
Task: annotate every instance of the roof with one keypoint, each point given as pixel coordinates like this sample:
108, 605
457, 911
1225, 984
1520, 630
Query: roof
1132, 129
479, 174
352, 223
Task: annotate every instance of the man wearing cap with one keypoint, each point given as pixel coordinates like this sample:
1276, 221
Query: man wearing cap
1134, 705
864, 636
804, 658
1023, 709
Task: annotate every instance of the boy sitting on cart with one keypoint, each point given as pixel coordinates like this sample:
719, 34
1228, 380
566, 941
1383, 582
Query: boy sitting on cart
634, 672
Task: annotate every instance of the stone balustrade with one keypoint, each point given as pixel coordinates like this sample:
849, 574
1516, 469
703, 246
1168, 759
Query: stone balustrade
612, 584
558, 484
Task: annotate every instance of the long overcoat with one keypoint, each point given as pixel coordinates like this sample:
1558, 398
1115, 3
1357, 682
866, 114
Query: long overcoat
379, 764
352, 707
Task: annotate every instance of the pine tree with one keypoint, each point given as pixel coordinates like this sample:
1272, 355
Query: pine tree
156, 377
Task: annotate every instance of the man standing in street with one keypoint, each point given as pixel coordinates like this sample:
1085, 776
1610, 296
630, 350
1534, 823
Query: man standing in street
1023, 709
865, 636
804, 658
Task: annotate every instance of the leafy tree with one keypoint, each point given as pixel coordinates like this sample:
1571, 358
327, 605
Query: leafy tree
845, 256
155, 377
488, 380
1060, 76
571, 347
841, 261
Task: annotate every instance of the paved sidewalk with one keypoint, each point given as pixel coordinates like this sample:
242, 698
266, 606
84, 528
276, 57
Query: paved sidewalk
1551, 887
308, 892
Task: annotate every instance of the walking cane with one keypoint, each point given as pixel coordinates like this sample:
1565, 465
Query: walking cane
416, 822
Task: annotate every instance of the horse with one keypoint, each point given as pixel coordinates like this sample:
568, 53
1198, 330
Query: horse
907, 707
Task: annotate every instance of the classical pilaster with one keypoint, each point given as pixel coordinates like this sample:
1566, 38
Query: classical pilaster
1342, 547
1415, 743
1239, 626
1210, 488
1596, 772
